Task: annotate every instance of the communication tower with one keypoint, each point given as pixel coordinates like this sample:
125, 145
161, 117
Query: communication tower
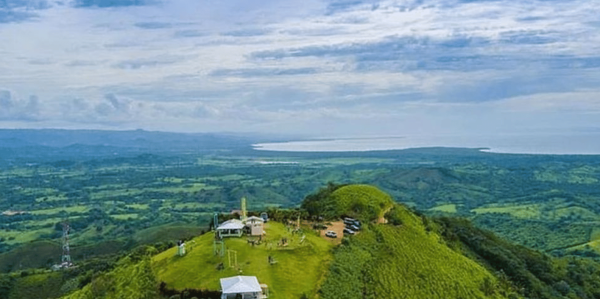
66, 254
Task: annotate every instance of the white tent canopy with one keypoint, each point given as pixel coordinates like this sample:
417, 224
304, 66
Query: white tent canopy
240, 284
255, 219
231, 224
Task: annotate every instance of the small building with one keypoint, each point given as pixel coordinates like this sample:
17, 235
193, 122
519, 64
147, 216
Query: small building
255, 226
246, 286
180, 248
63, 265
231, 228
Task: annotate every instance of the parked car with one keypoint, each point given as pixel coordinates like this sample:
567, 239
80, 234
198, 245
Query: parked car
319, 226
264, 216
349, 222
331, 234
353, 227
348, 231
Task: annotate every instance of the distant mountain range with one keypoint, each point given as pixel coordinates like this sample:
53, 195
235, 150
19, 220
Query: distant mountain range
53, 144
138, 139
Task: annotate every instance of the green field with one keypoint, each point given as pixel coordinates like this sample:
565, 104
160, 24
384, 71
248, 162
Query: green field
125, 216
447, 208
529, 211
299, 269
18, 237
73, 209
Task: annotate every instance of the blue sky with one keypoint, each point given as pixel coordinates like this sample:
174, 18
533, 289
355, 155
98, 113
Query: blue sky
310, 67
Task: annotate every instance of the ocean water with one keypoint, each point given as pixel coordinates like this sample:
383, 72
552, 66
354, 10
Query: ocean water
565, 144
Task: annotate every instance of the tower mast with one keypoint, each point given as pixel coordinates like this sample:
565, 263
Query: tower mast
66, 255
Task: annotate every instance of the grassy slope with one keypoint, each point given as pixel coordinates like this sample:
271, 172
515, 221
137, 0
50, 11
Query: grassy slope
128, 280
299, 270
31, 255
401, 262
32, 286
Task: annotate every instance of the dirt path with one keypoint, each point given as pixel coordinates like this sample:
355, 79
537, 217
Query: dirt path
382, 218
338, 228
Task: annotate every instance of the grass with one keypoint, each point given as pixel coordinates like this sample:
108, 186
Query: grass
528, 211
361, 201
184, 187
228, 177
17, 237
595, 234
593, 244
138, 206
197, 205
43, 222
173, 180
73, 209
191, 187
125, 216
45, 285
128, 280
404, 261
553, 209
574, 210
96, 195
30, 255
55, 197
349, 161
298, 271
582, 175
447, 208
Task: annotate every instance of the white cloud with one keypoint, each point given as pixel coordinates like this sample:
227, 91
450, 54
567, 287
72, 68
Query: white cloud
299, 65
12, 107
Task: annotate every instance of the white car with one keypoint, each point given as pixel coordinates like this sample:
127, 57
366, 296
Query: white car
331, 234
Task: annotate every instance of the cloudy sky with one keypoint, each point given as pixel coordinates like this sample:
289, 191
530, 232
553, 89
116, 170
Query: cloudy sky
311, 67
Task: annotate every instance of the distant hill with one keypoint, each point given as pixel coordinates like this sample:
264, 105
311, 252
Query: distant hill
135, 139
53, 144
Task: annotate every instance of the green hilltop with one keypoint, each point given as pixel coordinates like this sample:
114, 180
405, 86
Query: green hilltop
400, 259
300, 265
363, 202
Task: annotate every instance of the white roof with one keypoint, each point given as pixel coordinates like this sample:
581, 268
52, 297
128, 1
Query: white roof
240, 284
255, 219
231, 224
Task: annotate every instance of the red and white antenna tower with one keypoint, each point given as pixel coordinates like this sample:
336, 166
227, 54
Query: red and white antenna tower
66, 255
